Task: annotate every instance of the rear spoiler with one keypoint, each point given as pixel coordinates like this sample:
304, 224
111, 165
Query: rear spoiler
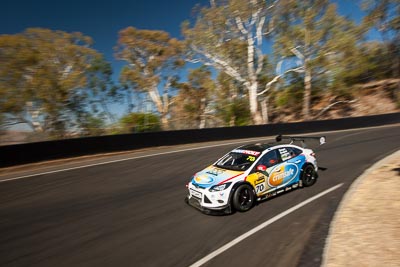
302, 139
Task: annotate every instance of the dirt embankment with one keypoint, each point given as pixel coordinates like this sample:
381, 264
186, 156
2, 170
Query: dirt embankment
366, 227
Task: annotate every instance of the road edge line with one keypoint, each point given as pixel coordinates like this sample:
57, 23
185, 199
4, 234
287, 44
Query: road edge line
240, 238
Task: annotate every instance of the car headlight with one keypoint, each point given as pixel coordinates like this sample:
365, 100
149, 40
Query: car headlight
219, 187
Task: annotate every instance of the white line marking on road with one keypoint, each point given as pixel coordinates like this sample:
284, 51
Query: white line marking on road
260, 227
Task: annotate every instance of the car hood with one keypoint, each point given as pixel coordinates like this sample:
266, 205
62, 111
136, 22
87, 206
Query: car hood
212, 175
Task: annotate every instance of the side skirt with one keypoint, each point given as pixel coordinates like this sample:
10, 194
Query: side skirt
280, 191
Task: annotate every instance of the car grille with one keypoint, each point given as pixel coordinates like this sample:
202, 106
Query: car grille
195, 194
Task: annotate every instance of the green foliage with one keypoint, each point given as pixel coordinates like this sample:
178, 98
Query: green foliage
42, 76
289, 96
92, 126
152, 58
59, 86
323, 41
384, 15
102, 89
372, 61
194, 97
231, 102
234, 112
210, 35
139, 123
229, 36
148, 52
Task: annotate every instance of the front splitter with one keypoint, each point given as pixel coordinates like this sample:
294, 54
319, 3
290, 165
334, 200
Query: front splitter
195, 203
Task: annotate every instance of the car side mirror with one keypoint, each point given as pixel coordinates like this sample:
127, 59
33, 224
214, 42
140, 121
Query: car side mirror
261, 168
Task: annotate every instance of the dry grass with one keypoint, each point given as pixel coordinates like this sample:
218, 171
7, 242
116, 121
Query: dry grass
366, 229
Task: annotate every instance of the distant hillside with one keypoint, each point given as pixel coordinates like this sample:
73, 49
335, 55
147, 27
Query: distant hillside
374, 98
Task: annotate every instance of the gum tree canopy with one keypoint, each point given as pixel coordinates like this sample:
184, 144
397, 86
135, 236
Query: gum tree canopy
229, 36
43, 74
152, 57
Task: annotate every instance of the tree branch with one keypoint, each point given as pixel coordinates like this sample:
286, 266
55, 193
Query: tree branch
18, 120
260, 57
7, 124
255, 15
297, 53
276, 78
239, 24
221, 64
331, 105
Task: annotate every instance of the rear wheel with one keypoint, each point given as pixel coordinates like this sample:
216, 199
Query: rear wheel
243, 198
309, 176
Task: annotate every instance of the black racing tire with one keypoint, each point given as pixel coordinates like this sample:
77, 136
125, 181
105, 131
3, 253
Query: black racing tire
309, 176
243, 198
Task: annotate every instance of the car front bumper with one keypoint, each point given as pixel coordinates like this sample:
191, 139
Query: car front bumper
208, 202
195, 203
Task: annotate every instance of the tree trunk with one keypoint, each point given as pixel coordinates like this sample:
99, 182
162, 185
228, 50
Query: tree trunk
164, 122
35, 114
307, 93
253, 84
203, 105
161, 103
254, 109
232, 121
264, 109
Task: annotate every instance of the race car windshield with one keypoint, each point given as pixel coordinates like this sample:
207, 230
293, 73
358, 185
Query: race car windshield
236, 161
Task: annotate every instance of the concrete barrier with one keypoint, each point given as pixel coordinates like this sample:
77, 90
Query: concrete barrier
49, 150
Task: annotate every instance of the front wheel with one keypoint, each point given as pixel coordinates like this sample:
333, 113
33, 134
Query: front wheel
309, 176
243, 198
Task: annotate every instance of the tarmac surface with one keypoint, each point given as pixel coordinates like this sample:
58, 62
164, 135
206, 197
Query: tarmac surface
128, 209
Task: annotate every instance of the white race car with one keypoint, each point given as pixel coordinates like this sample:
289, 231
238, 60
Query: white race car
252, 173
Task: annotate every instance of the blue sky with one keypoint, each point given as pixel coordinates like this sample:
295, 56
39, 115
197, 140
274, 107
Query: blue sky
102, 20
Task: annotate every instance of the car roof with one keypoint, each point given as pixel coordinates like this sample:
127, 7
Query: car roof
256, 147
259, 147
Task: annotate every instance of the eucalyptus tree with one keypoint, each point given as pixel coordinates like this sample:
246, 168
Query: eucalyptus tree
312, 32
230, 102
192, 103
103, 90
152, 60
231, 36
384, 15
42, 74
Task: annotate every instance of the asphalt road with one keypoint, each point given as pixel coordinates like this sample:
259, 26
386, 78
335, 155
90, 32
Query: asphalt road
132, 212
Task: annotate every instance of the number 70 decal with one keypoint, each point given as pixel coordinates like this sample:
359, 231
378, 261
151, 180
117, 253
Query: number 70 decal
260, 188
251, 158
